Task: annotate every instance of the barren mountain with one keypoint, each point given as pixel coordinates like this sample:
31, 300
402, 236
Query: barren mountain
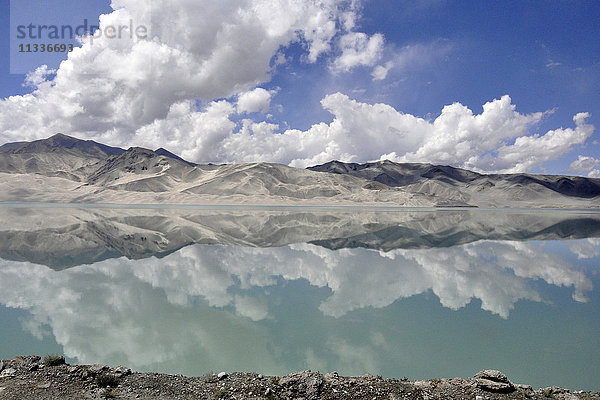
85, 171
483, 190
66, 169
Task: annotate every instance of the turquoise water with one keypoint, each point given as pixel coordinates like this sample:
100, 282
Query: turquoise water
417, 295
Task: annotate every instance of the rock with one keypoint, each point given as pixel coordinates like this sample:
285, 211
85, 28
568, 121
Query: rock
478, 397
44, 385
559, 390
122, 371
422, 384
260, 376
97, 368
222, 375
459, 381
34, 367
521, 386
492, 375
307, 382
493, 381
51, 360
555, 391
8, 372
73, 369
1, 365
331, 377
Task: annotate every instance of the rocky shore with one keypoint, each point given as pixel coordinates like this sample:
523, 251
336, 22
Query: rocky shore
30, 377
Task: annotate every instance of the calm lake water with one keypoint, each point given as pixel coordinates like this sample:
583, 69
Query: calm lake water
417, 294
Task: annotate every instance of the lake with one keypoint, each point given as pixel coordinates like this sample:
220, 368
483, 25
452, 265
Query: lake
400, 293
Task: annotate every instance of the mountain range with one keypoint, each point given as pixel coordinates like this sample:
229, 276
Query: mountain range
69, 170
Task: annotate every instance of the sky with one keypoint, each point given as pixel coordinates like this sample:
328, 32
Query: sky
484, 85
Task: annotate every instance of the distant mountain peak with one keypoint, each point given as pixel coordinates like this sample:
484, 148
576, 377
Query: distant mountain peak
164, 152
62, 136
61, 142
435, 179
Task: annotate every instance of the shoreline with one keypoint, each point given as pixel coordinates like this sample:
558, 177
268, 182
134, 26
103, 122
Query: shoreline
286, 207
30, 377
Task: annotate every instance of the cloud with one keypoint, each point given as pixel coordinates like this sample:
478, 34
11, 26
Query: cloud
420, 54
483, 142
498, 139
39, 76
528, 152
358, 49
411, 57
380, 72
583, 164
255, 100
202, 50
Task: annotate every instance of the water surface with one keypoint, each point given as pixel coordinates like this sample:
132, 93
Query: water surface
417, 293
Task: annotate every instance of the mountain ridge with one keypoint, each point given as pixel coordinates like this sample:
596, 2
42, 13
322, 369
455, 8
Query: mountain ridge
86, 171
66, 169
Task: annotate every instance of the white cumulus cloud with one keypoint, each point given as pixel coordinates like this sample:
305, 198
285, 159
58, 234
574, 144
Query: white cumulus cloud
583, 164
255, 100
359, 49
498, 139
111, 89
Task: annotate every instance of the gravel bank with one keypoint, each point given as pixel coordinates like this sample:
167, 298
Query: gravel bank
30, 377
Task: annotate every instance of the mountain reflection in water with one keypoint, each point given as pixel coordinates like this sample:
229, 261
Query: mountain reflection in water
275, 292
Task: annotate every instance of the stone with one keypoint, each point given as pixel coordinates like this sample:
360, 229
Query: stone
308, 382
97, 368
458, 381
478, 397
493, 381
122, 371
492, 375
260, 376
268, 392
331, 377
559, 390
521, 386
34, 367
1, 365
222, 375
8, 372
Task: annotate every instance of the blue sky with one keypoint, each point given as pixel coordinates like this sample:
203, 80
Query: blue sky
306, 73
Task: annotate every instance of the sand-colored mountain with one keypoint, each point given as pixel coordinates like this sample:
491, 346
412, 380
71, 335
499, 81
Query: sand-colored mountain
66, 169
